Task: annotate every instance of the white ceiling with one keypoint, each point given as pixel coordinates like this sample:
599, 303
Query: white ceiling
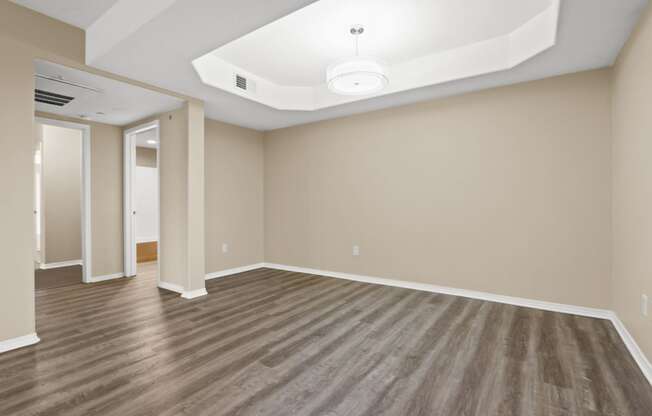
80, 13
297, 49
160, 48
116, 102
419, 42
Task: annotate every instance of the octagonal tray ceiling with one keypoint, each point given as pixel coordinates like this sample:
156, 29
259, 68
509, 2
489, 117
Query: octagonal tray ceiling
155, 42
423, 43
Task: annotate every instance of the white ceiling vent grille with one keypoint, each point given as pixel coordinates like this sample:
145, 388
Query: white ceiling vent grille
245, 84
241, 82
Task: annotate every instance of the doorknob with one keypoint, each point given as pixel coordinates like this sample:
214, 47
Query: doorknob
134, 212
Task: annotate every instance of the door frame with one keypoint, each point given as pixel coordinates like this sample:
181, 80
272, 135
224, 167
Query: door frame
130, 257
86, 236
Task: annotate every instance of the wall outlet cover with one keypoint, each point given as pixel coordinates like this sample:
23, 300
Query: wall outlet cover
644, 305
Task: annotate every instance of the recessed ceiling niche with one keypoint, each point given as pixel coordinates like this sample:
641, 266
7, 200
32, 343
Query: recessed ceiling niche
284, 63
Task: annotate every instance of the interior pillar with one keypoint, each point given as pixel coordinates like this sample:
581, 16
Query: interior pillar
196, 283
182, 264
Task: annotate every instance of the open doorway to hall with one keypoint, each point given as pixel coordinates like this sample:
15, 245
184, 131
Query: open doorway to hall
142, 200
60, 255
79, 213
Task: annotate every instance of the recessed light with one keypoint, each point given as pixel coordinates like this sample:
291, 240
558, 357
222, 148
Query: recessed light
151, 141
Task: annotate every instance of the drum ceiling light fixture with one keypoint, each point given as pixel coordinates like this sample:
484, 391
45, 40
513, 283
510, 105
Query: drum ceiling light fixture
359, 75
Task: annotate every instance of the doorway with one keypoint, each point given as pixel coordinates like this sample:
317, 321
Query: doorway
141, 198
61, 203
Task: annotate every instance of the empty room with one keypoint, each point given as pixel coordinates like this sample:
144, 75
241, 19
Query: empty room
326, 208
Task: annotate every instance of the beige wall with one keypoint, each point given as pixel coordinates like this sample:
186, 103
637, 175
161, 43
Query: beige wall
106, 195
173, 196
16, 179
40, 34
632, 183
234, 196
106, 199
504, 191
146, 157
195, 141
62, 182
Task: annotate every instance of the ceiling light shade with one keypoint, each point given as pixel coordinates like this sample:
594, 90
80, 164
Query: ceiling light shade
357, 76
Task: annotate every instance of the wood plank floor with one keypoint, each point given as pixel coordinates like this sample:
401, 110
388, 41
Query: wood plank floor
61, 276
269, 342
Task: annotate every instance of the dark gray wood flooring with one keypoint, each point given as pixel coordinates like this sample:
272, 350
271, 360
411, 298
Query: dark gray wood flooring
61, 276
269, 342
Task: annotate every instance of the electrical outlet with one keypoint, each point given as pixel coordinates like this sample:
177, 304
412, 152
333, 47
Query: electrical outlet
225, 248
644, 305
356, 250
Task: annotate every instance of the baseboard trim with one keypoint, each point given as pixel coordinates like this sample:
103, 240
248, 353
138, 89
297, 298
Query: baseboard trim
171, 287
632, 346
235, 270
18, 342
147, 240
472, 294
68, 263
628, 340
192, 294
103, 278
186, 294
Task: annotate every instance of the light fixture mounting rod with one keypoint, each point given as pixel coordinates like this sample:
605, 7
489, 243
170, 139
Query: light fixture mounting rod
356, 31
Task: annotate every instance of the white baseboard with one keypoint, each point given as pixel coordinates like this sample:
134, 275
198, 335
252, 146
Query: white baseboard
186, 294
18, 342
95, 279
192, 294
627, 338
171, 287
147, 240
235, 270
68, 263
510, 300
633, 347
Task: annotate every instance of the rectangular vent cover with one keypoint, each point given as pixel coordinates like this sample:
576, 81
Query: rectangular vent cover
241, 82
51, 98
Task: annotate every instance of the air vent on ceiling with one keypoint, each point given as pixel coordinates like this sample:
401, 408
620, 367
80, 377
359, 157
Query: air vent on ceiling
51, 98
241, 82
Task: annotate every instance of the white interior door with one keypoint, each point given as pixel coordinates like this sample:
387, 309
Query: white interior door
146, 203
129, 208
38, 227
